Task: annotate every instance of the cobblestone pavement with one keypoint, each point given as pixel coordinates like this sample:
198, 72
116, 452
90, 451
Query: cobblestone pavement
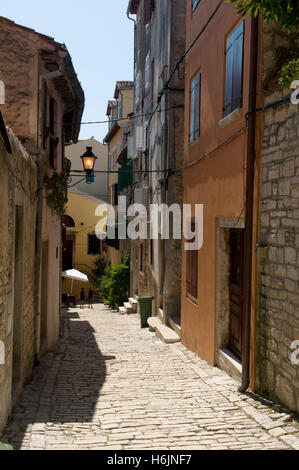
112, 385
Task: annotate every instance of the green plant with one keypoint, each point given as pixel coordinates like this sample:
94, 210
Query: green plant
115, 284
57, 192
289, 73
5, 446
100, 265
284, 11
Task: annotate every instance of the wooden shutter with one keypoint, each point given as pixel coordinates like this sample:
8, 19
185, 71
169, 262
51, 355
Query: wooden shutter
163, 40
153, 79
192, 267
229, 53
53, 133
148, 9
195, 107
238, 67
234, 70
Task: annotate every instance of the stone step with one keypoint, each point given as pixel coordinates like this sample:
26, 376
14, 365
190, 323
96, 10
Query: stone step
166, 334
134, 304
122, 310
128, 307
161, 314
175, 324
153, 323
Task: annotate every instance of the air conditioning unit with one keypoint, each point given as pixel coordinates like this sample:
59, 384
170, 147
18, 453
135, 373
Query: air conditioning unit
141, 196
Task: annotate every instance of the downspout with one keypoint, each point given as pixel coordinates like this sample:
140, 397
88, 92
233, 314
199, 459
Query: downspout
251, 157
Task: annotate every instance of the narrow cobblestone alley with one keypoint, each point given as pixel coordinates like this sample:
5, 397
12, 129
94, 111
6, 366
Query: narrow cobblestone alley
112, 385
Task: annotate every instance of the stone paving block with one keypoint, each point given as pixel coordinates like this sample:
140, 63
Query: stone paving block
94, 393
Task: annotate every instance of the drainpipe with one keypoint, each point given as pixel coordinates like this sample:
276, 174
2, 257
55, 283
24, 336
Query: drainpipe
251, 156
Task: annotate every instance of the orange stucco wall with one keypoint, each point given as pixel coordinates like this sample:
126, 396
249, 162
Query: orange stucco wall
218, 180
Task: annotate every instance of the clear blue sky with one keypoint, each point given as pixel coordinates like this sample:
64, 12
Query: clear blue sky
99, 37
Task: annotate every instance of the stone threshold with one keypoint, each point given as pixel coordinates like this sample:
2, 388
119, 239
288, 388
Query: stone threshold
228, 362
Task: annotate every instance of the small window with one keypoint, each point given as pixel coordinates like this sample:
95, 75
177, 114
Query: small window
195, 107
234, 70
163, 41
93, 244
53, 133
195, 4
192, 267
141, 258
149, 6
152, 80
120, 109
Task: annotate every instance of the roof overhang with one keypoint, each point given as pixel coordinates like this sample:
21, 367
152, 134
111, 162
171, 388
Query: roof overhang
68, 87
111, 133
133, 6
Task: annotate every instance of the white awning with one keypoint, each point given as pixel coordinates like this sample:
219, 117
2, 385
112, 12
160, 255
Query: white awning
75, 275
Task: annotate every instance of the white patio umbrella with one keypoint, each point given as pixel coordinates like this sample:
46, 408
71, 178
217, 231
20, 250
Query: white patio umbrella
76, 275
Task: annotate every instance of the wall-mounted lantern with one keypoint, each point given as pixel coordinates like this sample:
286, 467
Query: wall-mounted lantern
88, 160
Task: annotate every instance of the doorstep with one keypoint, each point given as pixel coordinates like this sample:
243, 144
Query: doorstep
228, 362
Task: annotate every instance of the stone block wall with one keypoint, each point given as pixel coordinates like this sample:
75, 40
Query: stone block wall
18, 196
278, 320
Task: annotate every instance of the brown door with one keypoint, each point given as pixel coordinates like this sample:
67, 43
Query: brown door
236, 290
67, 256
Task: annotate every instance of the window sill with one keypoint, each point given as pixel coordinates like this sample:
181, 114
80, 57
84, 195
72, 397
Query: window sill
193, 143
230, 118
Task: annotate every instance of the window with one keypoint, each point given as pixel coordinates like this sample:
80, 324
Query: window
163, 41
141, 258
192, 266
195, 107
152, 79
234, 70
152, 251
148, 10
194, 4
93, 244
120, 109
53, 133
147, 72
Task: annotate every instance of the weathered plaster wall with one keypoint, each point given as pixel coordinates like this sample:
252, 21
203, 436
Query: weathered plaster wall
17, 188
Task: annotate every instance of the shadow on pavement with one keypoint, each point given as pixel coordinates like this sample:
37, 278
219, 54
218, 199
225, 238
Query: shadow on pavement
65, 387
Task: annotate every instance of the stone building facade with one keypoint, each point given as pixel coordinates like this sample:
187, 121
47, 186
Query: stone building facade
43, 106
17, 270
278, 321
158, 131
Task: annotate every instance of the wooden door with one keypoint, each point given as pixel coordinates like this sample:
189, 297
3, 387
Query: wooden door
236, 290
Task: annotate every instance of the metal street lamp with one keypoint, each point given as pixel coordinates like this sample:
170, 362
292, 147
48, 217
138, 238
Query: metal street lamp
88, 160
